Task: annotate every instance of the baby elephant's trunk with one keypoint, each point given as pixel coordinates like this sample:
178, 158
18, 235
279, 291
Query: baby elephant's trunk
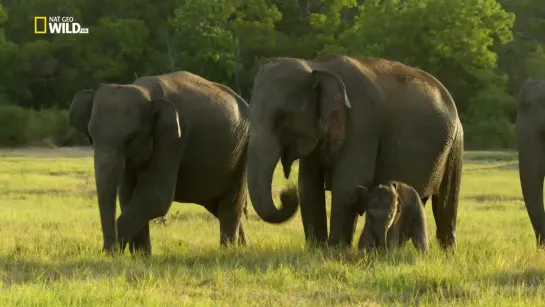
382, 232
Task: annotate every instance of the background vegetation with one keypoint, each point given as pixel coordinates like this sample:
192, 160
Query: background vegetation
482, 50
51, 240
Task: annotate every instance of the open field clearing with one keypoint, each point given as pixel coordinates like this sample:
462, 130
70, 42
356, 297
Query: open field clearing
51, 239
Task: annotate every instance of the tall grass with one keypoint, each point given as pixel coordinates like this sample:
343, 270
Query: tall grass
51, 240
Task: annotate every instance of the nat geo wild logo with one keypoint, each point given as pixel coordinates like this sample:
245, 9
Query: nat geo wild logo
57, 25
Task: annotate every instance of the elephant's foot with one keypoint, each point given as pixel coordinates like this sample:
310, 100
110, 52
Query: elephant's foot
228, 240
111, 249
140, 244
139, 249
242, 239
540, 239
343, 223
316, 237
446, 240
341, 239
337, 243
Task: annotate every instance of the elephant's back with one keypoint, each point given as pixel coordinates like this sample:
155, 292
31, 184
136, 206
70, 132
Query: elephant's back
419, 124
401, 80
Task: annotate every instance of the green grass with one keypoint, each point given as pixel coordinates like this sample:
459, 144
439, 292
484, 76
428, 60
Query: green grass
50, 243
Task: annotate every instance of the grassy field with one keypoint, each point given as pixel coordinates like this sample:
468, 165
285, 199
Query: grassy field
50, 243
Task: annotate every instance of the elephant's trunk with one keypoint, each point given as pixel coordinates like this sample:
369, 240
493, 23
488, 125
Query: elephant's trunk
109, 166
263, 156
531, 172
381, 233
382, 241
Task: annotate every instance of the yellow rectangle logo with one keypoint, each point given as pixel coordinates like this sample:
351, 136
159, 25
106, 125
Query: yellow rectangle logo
39, 20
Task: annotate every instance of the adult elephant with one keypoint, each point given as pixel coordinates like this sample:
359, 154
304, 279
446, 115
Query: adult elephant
531, 149
352, 121
173, 137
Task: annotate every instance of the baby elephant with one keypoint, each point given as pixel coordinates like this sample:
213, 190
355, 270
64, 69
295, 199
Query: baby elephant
395, 213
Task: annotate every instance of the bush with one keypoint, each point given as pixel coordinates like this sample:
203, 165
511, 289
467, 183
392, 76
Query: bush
487, 122
13, 123
20, 126
492, 133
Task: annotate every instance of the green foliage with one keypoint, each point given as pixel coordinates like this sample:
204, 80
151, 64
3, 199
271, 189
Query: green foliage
535, 63
203, 39
454, 47
487, 124
521, 58
21, 126
469, 45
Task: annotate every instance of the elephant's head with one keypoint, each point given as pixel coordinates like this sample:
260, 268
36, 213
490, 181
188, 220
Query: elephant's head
531, 148
124, 125
381, 206
295, 106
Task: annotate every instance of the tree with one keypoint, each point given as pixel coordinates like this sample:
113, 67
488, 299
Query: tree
522, 58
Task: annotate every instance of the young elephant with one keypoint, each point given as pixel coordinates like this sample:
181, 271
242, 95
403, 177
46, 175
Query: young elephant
395, 213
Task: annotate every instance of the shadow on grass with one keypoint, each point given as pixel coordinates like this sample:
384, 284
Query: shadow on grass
181, 217
497, 156
83, 192
21, 270
487, 198
503, 167
528, 278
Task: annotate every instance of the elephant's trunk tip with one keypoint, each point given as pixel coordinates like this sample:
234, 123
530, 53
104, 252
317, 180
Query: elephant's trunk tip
289, 197
290, 203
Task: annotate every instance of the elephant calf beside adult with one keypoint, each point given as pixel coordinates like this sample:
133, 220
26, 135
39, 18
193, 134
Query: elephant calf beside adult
174, 137
352, 121
531, 149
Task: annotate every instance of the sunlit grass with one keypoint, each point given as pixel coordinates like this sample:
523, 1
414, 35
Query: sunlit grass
50, 243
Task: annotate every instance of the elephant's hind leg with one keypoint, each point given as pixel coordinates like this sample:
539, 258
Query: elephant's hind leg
242, 239
445, 204
230, 216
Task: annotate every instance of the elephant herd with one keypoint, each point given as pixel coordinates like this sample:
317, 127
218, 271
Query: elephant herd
382, 136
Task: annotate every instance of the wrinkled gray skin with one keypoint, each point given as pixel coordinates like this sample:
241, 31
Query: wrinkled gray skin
174, 137
393, 214
531, 149
352, 122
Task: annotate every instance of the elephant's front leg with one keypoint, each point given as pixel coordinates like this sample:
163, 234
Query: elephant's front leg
343, 217
367, 241
312, 200
153, 193
354, 167
141, 242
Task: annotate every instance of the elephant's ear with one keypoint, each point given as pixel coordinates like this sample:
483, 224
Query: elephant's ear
332, 104
80, 111
166, 124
